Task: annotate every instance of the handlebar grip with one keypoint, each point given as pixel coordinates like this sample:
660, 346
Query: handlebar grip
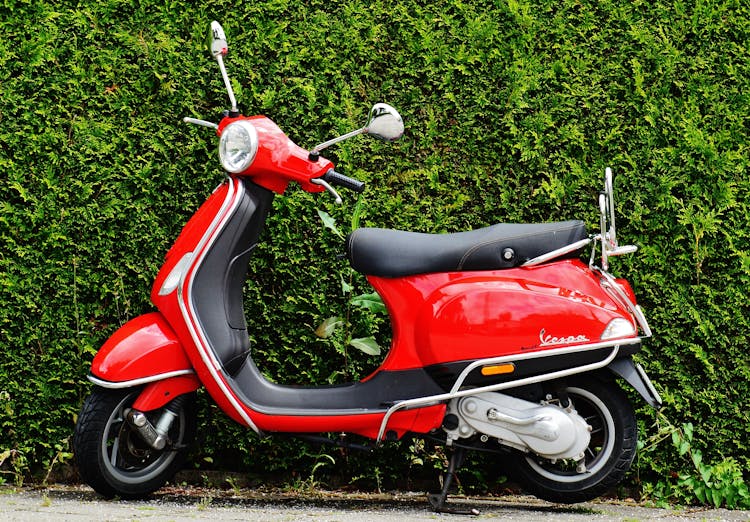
334, 178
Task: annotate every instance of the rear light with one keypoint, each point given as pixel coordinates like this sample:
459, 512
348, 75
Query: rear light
618, 328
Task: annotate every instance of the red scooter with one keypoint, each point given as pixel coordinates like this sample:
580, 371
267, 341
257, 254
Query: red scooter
504, 341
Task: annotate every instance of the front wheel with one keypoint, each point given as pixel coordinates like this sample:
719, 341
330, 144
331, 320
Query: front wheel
113, 459
614, 437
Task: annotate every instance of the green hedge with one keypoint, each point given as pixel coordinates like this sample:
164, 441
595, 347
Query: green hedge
512, 108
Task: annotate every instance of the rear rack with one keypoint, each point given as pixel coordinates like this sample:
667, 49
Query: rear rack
558, 252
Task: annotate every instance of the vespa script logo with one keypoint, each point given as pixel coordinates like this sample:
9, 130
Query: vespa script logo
551, 340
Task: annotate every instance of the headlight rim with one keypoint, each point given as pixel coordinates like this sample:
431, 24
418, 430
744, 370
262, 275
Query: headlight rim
250, 152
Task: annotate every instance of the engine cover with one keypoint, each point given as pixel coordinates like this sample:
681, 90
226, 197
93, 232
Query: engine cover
547, 430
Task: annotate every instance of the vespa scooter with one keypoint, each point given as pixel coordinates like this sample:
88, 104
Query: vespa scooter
504, 341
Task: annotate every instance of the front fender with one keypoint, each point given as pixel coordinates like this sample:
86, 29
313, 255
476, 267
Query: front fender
143, 350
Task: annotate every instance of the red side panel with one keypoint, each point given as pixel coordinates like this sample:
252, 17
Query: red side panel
142, 347
445, 317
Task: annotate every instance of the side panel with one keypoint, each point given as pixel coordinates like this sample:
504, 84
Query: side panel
142, 348
458, 316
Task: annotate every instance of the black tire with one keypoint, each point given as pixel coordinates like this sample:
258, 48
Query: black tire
614, 438
111, 456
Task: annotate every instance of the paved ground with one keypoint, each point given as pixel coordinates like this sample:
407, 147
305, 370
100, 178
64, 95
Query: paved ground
61, 504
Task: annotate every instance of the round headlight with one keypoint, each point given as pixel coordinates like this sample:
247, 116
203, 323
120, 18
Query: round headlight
237, 146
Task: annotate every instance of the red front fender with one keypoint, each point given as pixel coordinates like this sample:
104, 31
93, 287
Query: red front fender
144, 349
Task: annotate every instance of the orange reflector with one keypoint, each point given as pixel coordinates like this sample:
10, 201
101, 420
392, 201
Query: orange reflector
498, 369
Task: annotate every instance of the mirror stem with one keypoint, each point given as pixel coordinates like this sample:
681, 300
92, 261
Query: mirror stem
346, 136
227, 83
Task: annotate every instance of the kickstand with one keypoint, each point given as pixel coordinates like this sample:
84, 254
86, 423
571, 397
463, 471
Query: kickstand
438, 500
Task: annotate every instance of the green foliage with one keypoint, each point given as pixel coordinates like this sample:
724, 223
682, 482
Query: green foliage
16, 463
311, 483
513, 109
340, 329
720, 484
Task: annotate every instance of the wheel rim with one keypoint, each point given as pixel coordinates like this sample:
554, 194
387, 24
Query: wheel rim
127, 458
600, 449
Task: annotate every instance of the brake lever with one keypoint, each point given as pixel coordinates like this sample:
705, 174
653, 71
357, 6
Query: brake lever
323, 183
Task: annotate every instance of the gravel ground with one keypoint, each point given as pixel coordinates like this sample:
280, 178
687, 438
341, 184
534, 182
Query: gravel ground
63, 503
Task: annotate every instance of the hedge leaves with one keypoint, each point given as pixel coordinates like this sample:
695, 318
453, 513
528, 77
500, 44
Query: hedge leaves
513, 109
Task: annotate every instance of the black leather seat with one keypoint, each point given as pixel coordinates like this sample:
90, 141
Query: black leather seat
395, 253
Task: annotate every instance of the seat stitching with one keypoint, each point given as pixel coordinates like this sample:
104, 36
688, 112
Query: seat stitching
509, 238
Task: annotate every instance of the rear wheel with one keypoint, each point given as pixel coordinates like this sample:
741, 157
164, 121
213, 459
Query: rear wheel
614, 437
113, 459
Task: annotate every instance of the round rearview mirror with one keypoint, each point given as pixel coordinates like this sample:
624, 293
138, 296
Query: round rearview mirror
385, 123
217, 40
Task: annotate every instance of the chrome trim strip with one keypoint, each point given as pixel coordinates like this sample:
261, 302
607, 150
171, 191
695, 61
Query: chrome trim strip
649, 385
611, 287
230, 204
289, 412
641, 318
137, 382
557, 253
454, 393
